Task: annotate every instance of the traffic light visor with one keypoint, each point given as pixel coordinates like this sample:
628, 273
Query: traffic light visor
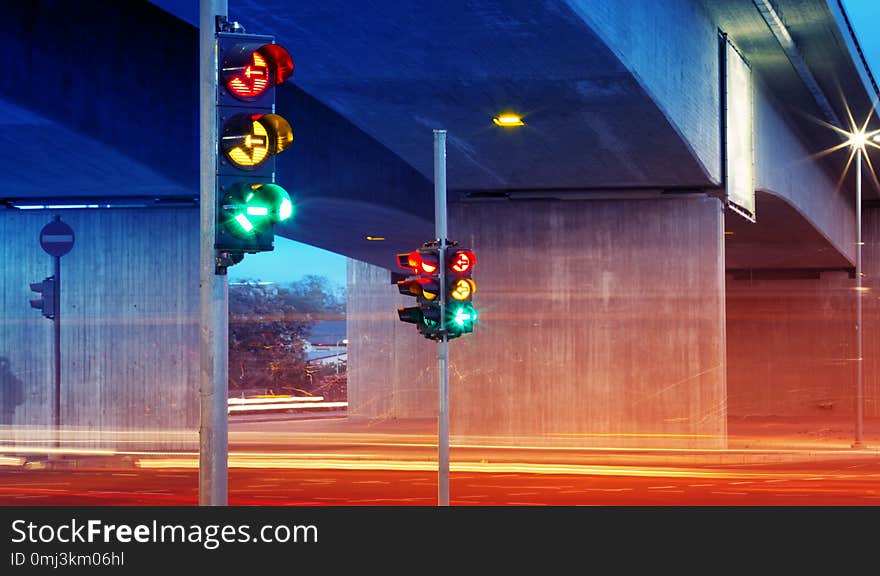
412, 315
403, 260
276, 199
279, 61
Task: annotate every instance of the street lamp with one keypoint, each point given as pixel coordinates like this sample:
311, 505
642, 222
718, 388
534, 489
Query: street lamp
857, 141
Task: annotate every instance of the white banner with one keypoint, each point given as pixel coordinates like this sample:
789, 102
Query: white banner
739, 139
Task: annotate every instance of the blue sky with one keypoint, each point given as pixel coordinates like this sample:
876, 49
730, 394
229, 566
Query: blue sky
865, 18
291, 260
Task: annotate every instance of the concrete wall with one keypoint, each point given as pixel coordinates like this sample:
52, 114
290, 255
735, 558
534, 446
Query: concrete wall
597, 318
791, 346
871, 309
791, 343
129, 330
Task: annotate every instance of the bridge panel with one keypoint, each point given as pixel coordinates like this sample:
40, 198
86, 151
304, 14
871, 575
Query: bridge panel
673, 54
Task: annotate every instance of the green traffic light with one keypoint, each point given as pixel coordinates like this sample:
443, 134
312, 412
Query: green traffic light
463, 317
249, 209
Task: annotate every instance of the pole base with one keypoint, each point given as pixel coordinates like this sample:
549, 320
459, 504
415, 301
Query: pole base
858, 445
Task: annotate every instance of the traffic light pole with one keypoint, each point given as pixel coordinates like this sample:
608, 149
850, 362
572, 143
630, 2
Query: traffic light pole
213, 288
56, 325
443, 345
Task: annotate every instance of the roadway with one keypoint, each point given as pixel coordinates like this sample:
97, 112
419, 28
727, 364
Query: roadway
843, 483
335, 461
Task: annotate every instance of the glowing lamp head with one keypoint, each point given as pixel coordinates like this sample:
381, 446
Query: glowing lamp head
252, 80
427, 267
427, 294
248, 140
249, 209
858, 140
462, 261
463, 289
508, 120
464, 316
250, 69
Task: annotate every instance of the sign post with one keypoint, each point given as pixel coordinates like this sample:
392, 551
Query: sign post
443, 344
56, 239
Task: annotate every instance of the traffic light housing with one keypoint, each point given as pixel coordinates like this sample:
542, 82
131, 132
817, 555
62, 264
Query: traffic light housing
47, 302
460, 288
249, 136
424, 283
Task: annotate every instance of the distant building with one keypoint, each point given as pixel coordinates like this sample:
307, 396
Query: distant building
327, 333
326, 343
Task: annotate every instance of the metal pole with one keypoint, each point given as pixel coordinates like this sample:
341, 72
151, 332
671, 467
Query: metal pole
859, 443
443, 346
213, 288
56, 306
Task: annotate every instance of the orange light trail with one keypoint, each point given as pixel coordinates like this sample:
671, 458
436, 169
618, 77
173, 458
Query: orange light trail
270, 461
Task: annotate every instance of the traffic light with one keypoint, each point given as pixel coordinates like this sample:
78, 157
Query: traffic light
46, 302
424, 285
425, 282
460, 288
250, 135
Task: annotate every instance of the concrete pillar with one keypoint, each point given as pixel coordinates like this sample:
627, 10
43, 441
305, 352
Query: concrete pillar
601, 323
389, 368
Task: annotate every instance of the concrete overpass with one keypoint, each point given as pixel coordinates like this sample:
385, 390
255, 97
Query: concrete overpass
620, 293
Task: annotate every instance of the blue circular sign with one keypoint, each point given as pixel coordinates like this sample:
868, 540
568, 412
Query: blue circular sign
56, 238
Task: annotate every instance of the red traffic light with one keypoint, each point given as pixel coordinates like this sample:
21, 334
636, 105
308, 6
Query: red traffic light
419, 262
250, 69
461, 261
409, 260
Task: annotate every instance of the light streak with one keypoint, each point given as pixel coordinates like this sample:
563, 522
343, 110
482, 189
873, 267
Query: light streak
245, 460
11, 461
286, 406
274, 399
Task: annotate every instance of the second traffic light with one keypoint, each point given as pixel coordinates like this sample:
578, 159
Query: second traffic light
453, 305
250, 135
47, 302
424, 284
